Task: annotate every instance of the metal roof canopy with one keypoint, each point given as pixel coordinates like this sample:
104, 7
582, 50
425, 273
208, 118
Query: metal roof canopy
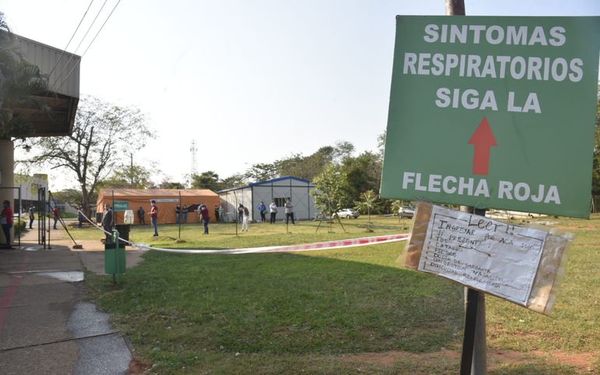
60, 102
268, 183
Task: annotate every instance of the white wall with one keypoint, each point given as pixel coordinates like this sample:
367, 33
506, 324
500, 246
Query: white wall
230, 201
299, 191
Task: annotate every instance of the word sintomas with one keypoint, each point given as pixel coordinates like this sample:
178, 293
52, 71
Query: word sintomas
495, 34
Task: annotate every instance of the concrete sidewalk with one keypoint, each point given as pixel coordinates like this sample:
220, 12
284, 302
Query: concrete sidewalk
46, 325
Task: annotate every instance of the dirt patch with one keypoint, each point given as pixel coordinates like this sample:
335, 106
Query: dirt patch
388, 359
584, 362
137, 367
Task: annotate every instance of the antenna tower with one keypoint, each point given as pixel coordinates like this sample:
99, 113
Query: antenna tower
193, 151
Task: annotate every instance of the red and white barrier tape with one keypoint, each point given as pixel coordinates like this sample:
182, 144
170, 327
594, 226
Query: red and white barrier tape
336, 244
327, 245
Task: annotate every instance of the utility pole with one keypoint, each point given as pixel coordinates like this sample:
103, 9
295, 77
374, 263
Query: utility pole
193, 151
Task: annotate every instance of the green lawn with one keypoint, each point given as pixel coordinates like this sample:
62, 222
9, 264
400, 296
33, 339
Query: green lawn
330, 312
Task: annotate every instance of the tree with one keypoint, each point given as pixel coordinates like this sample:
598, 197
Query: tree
73, 197
307, 167
129, 176
261, 172
206, 180
367, 203
165, 184
103, 135
363, 173
19, 82
381, 144
329, 193
233, 181
343, 150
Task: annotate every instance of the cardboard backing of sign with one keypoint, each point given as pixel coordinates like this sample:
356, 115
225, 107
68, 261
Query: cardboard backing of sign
549, 271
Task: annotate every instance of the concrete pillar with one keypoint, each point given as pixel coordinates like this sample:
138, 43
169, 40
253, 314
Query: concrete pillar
7, 178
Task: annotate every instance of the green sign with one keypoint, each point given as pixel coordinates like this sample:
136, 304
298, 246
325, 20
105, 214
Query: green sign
494, 112
121, 206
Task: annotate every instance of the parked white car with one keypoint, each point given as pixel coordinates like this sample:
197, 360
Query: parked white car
348, 213
406, 211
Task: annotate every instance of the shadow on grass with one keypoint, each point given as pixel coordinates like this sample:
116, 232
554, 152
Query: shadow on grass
280, 303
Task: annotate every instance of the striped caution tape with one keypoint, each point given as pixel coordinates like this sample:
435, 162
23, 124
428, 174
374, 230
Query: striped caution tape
327, 245
336, 244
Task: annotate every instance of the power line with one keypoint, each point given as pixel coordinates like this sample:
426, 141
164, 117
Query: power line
101, 27
72, 36
95, 36
91, 25
58, 78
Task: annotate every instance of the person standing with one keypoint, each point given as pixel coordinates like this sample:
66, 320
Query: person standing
6, 220
56, 215
240, 213
205, 217
141, 215
184, 214
245, 218
289, 211
80, 218
154, 216
31, 216
263, 211
107, 223
273, 212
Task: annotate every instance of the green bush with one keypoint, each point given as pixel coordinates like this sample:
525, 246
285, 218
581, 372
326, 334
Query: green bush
19, 227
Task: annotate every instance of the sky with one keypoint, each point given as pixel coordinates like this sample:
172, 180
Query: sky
250, 81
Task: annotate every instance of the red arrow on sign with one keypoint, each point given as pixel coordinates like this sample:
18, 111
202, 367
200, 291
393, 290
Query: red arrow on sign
482, 139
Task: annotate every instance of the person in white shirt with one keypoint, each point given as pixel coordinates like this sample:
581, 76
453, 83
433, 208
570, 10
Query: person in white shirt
273, 211
289, 211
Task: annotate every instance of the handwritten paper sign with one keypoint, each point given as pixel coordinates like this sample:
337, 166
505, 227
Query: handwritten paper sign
495, 257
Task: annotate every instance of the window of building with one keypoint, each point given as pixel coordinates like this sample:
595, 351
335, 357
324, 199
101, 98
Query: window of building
280, 202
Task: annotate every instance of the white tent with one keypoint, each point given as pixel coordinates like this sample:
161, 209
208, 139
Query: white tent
277, 190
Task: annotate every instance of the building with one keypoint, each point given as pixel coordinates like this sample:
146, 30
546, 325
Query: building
277, 190
167, 201
48, 113
27, 190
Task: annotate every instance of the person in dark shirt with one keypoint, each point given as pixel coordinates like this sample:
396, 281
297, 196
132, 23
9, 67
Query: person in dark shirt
107, 223
55, 215
154, 216
262, 208
205, 218
6, 220
31, 216
141, 215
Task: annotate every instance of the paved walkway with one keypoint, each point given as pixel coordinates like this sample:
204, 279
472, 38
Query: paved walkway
46, 324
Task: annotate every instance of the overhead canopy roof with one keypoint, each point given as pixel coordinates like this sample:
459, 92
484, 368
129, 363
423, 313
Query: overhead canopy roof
56, 115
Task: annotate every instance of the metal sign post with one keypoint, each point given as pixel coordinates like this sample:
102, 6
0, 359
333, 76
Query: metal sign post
474, 353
